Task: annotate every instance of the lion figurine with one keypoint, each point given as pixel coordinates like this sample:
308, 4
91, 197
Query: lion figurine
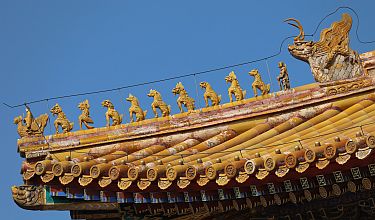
111, 113
135, 109
234, 88
184, 98
61, 120
85, 115
210, 94
158, 103
258, 83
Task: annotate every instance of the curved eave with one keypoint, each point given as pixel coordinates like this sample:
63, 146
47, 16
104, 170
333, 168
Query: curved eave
227, 154
304, 133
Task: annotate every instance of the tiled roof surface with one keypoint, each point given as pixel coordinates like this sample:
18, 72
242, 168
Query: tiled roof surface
255, 148
302, 133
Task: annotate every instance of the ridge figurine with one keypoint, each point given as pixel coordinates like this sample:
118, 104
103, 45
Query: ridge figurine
85, 115
61, 120
283, 77
234, 88
111, 114
210, 94
184, 98
135, 109
159, 103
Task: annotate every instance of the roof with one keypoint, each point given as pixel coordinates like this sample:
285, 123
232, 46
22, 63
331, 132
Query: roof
269, 139
258, 145
305, 143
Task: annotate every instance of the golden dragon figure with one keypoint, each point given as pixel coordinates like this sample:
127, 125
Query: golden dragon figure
111, 113
210, 94
184, 98
85, 115
159, 104
234, 88
258, 83
61, 120
135, 109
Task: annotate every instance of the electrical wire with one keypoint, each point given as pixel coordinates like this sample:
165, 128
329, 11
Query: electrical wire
200, 72
357, 27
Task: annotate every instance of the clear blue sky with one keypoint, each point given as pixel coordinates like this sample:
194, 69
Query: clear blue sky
52, 48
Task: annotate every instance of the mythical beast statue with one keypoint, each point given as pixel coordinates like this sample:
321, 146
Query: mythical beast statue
84, 117
27, 196
184, 98
210, 94
61, 120
159, 103
259, 83
330, 58
135, 109
234, 88
111, 113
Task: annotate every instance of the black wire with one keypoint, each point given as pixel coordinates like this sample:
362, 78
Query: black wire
200, 72
357, 27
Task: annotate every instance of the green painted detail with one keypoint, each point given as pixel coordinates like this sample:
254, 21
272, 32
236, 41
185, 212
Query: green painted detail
49, 199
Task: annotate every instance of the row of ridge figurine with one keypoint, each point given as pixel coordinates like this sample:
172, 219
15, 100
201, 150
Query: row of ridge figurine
30, 126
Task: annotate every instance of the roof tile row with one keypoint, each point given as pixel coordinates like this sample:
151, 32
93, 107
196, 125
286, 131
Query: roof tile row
296, 140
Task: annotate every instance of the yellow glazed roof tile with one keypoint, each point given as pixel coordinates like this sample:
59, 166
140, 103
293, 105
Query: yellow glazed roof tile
258, 146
